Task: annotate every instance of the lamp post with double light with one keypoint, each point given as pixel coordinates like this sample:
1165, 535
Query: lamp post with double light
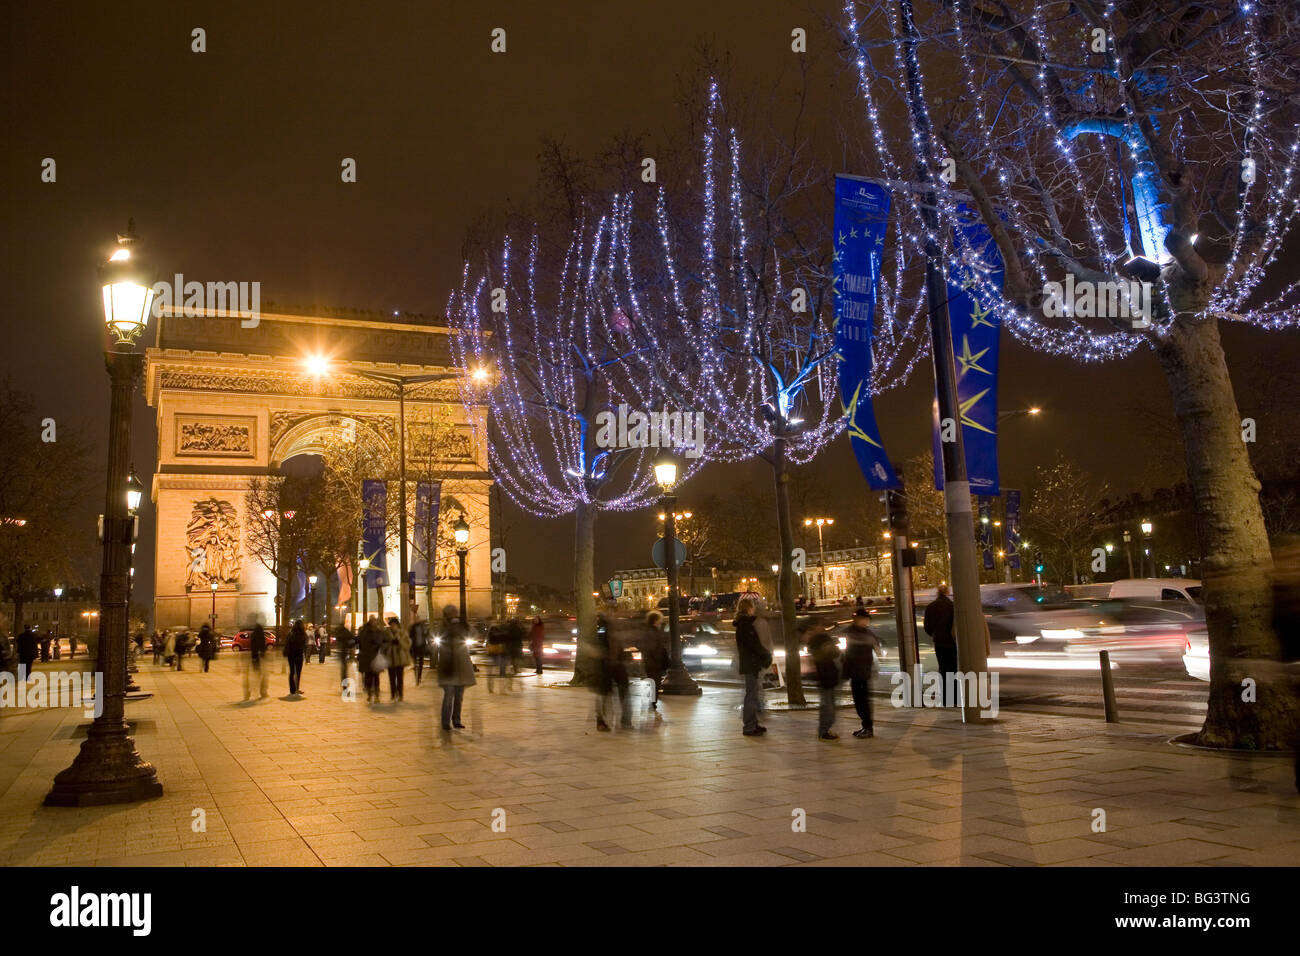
677, 681
107, 768
461, 531
1147, 529
821, 546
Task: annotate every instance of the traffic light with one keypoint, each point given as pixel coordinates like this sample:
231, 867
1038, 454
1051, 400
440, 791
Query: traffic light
1038, 562
895, 517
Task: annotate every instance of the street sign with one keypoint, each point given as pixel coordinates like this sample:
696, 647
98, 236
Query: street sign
658, 555
616, 588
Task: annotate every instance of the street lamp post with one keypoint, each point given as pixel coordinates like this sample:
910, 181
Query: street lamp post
108, 769
58, 595
1147, 528
461, 530
1128, 550
311, 589
677, 681
213, 586
364, 565
821, 547
134, 493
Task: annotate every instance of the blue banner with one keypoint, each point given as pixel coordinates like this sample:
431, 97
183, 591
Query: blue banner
975, 330
985, 505
374, 541
861, 221
428, 497
1012, 527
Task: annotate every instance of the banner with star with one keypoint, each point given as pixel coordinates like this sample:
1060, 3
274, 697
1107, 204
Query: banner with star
975, 331
861, 221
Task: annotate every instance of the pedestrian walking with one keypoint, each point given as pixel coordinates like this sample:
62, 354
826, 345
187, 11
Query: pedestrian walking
346, 642
455, 669
938, 624
654, 655
156, 642
322, 643
181, 646
295, 650
398, 650
169, 648
256, 669
537, 643
861, 643
497, 650
752, 658
371, 661
612, 657
45, 647
825, 654
28, 649
72, 645
207, 646
419, 646
514, 646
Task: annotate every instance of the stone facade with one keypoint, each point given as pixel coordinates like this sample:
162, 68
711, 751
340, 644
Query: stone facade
233, 404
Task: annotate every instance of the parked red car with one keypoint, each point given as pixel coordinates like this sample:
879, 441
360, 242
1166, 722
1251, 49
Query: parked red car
240, 641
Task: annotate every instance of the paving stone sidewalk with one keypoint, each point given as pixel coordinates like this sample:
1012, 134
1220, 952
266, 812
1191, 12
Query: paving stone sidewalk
320, 781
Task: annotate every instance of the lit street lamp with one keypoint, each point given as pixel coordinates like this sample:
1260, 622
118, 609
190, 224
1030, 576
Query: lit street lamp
677, 680
213, 586
1147, 529
364, 565
461, 530
134, 494
821, 546
108, 769
58, 599
1128, 550
311, 589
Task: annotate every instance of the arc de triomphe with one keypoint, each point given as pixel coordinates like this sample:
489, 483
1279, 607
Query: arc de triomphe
234, 404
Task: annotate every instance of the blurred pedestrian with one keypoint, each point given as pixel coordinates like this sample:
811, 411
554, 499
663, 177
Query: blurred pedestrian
455, 669
157, 643
45, 647
938, 623
371, 661
612, 658
28, 649
419, 646
496, 650
514, 646
537, 643
654, 655
398, 649
295, 650
181, 646
825, 654
72, 645
169, 647
207, 646
322, 643
752, 658
346, 643
861, 643
256, 669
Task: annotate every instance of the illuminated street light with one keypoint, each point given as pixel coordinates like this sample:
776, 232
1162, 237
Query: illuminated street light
461, 530
821, 546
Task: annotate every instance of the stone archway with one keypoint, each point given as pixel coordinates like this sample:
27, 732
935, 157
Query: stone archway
234, 403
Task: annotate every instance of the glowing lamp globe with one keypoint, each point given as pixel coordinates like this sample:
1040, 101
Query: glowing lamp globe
666, 471
462, 532
134, 492
127, 284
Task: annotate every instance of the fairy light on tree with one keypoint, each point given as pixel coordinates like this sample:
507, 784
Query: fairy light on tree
1118, 144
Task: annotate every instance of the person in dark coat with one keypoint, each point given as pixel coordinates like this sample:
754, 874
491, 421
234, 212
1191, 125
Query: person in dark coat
295, 651
825, 654
455, 669
938, 624
256, 662
346, 642
397, 648
28, 649
654, 655
537, 643
207, 646
514, 645
860, 643
370, 647
419, 647
612, 656
752, 658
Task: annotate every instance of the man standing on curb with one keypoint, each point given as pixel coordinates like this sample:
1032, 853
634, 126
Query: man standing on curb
860, 642
938, 624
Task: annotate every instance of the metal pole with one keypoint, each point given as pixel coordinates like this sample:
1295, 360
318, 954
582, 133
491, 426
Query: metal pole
108, 769
1108, 689
909, 651
464, 613
971, 650
678, 680
821, 560
405, 589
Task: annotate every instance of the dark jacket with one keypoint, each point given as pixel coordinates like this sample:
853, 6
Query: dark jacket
859, 647
938, 621
257, 642
420, 638
296, 644
370, 641
455, 669
515, 638
653, 645
207, 645
826, 658
752, 657
27, 646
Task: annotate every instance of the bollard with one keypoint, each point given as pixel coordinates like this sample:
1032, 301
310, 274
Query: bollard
1108, 689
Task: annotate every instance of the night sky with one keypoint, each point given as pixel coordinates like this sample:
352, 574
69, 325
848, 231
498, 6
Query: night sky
229, 162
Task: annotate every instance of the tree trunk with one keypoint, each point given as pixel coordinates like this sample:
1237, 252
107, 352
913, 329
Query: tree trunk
18, 615
1236, 563
793, 674
584, 578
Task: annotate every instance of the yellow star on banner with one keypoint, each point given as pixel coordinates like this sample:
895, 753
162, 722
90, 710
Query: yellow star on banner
966, 406
854, 430
841, 238
968, 361
853, 233
979, 316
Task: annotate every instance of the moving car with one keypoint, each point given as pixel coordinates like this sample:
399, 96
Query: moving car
1158, 589
240, 641
1196, 656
